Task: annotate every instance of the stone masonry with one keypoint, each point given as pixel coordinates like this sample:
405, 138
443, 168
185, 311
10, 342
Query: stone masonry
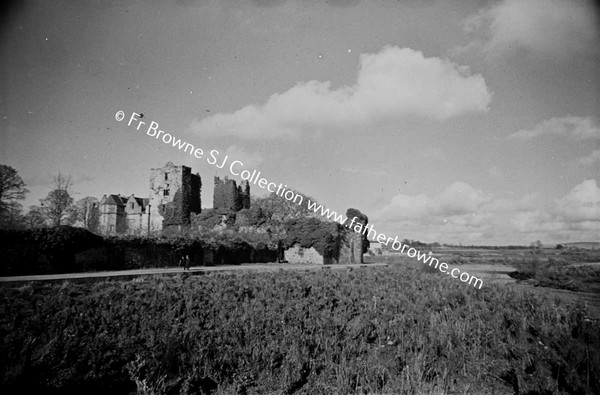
174, 195
227, 195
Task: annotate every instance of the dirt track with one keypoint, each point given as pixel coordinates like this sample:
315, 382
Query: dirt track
193, 270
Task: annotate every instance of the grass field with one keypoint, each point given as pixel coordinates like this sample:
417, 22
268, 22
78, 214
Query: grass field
400, 329
572, 270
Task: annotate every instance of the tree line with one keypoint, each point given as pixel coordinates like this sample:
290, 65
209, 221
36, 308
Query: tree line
56, 209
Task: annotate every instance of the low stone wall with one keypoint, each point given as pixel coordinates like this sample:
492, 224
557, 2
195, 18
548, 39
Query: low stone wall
297, 254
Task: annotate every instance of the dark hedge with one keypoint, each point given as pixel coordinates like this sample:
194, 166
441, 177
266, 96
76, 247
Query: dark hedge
68, 249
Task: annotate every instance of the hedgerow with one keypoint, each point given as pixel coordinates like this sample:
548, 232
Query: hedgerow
68, 249
46, 249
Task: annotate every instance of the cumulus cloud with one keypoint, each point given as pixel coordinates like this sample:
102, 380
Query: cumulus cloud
582, 204
391, 84
551, 27
456, 200
575, 128
249, 159
576, 214
462, 213
591, 160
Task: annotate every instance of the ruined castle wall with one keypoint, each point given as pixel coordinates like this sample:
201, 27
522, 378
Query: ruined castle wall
244, 195
297, 254
165, 183
195, 194
351, 249
354, 243
174, 195
226, 195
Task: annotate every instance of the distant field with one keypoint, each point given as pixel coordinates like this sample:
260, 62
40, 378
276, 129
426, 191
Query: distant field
497, 256
544, 270
400, 329
583, 244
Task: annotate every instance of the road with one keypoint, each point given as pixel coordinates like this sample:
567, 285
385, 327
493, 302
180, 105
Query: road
194, 270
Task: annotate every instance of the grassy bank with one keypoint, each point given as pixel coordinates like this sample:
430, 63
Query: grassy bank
389, 330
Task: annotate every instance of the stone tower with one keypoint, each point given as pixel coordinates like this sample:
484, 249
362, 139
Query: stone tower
357, 242
227, 195
174, 195
244, 194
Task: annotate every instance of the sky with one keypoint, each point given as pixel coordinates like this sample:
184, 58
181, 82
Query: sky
473, 122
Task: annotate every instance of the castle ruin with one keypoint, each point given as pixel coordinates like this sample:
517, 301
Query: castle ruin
227, 195
175, 201
175, 194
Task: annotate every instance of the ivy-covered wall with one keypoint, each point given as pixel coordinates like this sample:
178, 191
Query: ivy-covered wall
225, 195
325, 237
175, 212
228, 195
356, 241
68, 249
334, 242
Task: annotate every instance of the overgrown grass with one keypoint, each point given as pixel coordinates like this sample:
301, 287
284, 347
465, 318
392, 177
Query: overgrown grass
388, 330
547, 268
558, 275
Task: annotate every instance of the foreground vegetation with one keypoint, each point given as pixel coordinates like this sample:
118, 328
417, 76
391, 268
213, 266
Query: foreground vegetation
390, 330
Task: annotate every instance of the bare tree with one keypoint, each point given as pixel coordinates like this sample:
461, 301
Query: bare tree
63, 182
87, 211
11, 217
58, 207
12, 188
35, 218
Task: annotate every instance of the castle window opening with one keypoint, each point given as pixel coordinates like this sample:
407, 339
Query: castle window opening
166, 177
166, 192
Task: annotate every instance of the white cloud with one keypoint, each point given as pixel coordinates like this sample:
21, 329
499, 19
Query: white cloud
462, 213
460, 198
551, 27
581, 204
249, 159
456, 200
591, 160
575, 128
391, 84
